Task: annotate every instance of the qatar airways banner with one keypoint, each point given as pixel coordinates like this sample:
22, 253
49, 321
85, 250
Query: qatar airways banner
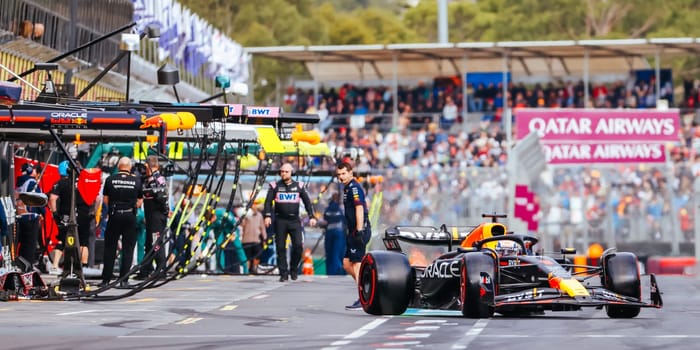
606, 152
571, 136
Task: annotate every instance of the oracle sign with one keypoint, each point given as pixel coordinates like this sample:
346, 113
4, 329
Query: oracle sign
600, 135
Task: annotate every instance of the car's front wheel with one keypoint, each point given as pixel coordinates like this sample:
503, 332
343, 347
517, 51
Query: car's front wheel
621, 275
477, 285
386, 283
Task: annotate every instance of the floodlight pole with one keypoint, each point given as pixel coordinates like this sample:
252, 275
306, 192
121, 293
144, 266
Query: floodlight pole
395, 89
586, 79
465, 101
316, 59
657, 74
128, 74
442, 21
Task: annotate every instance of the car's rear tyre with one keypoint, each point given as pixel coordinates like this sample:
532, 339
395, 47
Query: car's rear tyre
477, 285
621, 275
386, 283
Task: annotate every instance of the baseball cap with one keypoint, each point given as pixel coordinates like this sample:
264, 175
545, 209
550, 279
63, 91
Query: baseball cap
27, 168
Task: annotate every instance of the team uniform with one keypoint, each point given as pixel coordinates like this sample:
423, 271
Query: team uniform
62, 188
123, 190
356, 242
28, 218
286, 209
156, 209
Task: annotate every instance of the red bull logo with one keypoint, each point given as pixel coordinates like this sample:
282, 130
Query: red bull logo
154, 122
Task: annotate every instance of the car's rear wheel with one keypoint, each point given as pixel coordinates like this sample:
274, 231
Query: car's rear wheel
621, 275
477, 285
386, 283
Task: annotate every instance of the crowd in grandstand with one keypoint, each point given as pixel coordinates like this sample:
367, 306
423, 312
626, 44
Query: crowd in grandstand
443, 169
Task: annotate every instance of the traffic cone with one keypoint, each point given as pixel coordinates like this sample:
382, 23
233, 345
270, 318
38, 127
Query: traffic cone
308, 267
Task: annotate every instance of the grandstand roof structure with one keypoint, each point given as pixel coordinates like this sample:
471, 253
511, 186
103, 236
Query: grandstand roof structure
520, 58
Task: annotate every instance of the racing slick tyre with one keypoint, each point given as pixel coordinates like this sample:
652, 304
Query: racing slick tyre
621, 275
386, 283
476, 285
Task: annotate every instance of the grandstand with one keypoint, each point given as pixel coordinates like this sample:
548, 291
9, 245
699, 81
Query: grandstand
433, 118
427, 156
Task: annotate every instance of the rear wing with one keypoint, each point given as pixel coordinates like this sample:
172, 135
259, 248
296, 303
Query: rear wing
425, 235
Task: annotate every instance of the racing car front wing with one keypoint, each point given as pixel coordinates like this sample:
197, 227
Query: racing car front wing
598, 297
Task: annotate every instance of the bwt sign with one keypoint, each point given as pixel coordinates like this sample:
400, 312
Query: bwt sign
571, 136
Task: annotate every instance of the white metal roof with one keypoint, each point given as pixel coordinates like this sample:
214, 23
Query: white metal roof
527, 58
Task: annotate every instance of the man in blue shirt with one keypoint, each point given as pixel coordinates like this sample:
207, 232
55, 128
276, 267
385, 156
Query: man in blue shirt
357, 219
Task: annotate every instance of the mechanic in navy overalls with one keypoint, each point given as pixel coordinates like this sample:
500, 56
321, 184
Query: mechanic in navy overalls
357, 220
156, 210
287, 194
123, 195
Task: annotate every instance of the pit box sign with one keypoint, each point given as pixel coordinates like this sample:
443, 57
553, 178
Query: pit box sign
599, 136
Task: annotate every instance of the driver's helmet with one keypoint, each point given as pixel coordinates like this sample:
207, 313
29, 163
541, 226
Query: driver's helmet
508, 248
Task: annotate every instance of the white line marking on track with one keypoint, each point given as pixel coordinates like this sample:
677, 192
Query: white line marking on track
357, 334
190, 320
208, 336
340, 342
401, 343
422, 328
675, 336
429, 321
471, 334
229, 307
102, 311
411, 336
366, 328
656, 336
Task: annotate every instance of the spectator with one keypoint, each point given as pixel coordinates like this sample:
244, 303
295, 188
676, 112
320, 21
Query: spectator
449, 113
253, 234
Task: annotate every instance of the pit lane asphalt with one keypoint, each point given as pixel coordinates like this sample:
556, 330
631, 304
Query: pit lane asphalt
258, 312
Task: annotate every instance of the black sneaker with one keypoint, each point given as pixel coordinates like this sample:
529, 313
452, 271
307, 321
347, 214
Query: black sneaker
294, 276
355, 306
103, 284
283, 278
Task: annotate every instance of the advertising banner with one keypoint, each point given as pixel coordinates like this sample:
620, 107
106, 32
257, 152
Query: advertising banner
607, 152
572, 136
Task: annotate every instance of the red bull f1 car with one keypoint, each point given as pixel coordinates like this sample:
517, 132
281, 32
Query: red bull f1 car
494, 271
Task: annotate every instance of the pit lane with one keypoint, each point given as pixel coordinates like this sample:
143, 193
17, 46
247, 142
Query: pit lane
257, 312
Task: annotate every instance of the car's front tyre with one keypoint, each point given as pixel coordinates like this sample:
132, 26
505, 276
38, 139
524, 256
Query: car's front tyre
621, 275
386, 283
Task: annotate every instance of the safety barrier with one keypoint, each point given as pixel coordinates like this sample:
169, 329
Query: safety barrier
671, 265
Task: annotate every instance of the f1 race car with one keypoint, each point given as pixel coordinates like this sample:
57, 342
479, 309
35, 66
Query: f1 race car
495, 271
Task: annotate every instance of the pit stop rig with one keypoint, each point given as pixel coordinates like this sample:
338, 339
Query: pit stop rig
204, 142
217, 135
